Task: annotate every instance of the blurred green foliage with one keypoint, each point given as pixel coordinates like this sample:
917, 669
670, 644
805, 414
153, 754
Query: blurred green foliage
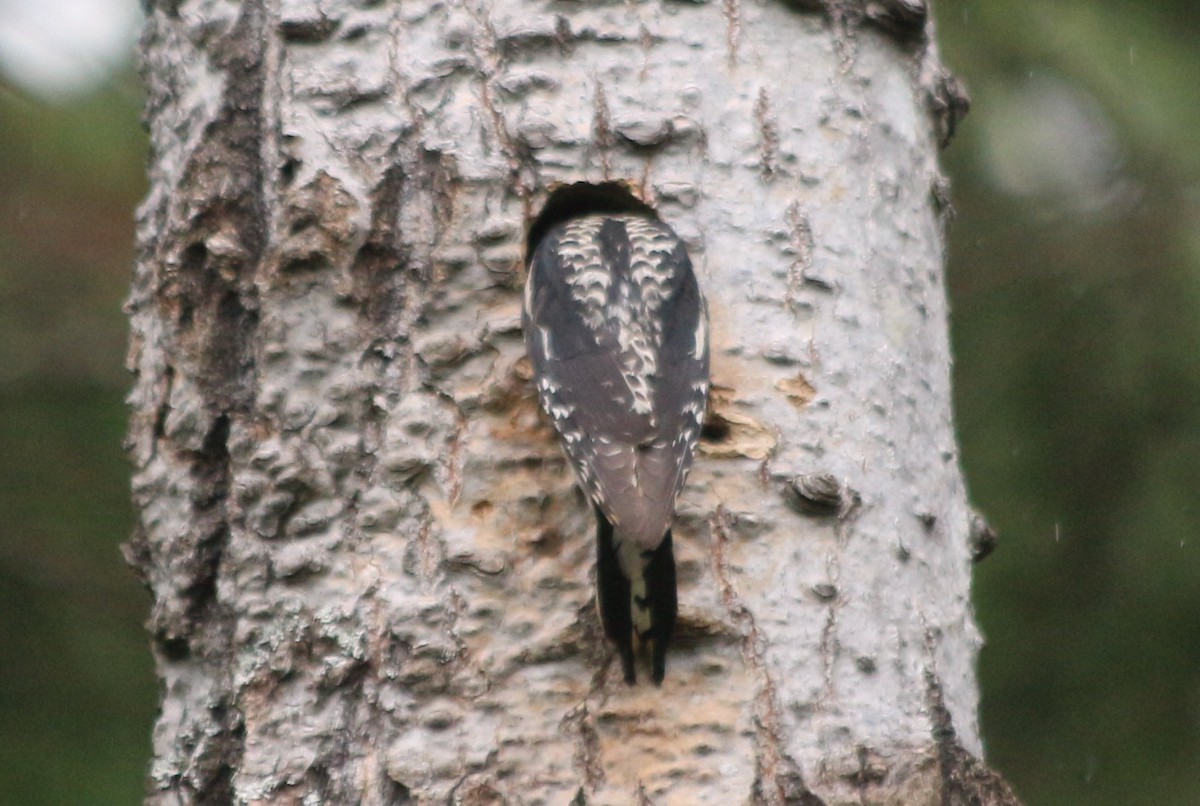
1075, 282
77, 689
1075, 279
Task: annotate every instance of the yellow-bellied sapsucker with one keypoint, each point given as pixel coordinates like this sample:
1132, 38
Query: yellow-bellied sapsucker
617, 333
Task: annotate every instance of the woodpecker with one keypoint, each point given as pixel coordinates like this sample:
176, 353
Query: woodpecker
617, 333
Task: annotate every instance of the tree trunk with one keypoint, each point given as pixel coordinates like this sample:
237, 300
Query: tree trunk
372, 572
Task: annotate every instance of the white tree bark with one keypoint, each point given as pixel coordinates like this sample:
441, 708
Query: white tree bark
372, 574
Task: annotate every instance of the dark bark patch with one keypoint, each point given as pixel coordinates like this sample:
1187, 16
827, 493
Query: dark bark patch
391, 273
376, 287
213, 319
227, 748
316, 227
965, 780
201, 593
308, 30
478, 793
527, 43
441, 170
949, 102
163, 409
192, 264
227, 369
873, 770
548, 543
211, 463
903, 19
168, 7
202, 560
219, 227
983, 538
175, 650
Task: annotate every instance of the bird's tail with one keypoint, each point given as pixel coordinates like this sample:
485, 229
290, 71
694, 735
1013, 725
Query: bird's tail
637, 596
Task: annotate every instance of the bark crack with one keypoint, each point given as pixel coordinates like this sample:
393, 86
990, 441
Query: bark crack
490, 63
768, 135
801, 242
777, 777
580, 722
602, 130
733, 27
454, 457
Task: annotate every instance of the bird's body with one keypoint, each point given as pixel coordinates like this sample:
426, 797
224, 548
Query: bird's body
616, 330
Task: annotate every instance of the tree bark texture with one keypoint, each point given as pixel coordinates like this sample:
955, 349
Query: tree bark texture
371, 570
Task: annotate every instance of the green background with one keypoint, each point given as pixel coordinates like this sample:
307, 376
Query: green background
1075, 282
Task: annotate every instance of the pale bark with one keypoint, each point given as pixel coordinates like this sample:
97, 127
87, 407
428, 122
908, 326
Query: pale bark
372, 574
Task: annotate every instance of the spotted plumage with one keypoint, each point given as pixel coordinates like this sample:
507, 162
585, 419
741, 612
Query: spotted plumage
617, 333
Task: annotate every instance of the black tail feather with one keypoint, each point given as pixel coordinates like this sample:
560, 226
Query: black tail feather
613, 595
664, 604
